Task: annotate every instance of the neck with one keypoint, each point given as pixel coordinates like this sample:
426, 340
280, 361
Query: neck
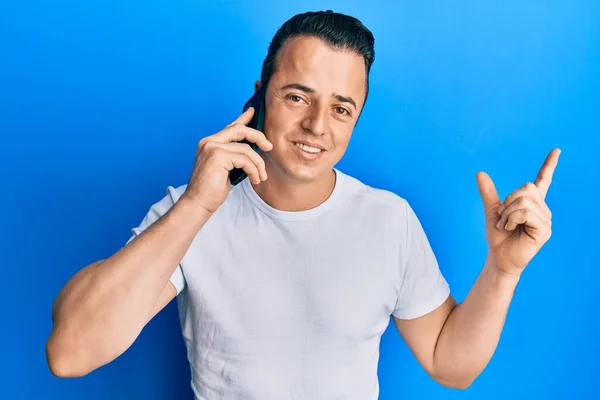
285, 194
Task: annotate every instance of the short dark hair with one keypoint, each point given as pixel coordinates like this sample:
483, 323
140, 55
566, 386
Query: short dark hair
340, 31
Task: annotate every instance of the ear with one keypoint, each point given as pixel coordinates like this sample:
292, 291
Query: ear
257, 85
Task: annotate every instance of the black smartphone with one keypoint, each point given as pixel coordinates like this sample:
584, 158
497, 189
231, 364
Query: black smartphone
257, 100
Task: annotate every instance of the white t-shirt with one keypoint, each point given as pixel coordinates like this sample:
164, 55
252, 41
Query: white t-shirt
292, 305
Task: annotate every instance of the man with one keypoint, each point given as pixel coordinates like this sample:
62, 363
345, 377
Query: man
286, 282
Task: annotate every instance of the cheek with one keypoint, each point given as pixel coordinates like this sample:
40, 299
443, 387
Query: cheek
341, 139
281, 124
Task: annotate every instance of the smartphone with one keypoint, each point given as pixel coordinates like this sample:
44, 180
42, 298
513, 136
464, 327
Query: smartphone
257, 101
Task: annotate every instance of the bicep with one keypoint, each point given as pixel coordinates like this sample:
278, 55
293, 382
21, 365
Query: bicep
168, 293
421, 334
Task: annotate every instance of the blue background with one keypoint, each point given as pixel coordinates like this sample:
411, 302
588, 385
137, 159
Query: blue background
102, 104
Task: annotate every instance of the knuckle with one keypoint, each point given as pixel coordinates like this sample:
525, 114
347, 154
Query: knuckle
533, 190
214, 151
530, 186
210, 149
206, 144
247, 148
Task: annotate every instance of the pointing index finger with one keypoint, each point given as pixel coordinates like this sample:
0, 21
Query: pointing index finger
544, 177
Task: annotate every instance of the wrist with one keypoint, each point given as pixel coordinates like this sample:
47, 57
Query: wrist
191, 210
501, 276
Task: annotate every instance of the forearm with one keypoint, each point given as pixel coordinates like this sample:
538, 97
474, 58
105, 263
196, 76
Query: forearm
102, 309
471, 333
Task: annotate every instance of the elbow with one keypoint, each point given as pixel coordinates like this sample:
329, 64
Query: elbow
62, 368
453, 375
458, 385
455, 381
62, 362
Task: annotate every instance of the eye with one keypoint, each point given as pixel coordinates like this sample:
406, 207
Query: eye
295, 98
342, 111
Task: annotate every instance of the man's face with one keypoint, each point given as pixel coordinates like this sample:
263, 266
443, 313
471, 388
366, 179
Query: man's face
313, 101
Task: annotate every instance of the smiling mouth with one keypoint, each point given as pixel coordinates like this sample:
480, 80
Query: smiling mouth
308, 149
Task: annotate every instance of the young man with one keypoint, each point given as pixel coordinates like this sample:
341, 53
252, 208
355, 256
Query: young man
286, 282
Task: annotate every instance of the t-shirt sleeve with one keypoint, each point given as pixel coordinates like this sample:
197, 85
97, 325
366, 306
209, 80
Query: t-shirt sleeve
156, 211
423, 287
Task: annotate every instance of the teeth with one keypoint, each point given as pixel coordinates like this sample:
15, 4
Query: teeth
308, 149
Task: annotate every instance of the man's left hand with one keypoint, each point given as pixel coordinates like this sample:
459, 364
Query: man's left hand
518, 227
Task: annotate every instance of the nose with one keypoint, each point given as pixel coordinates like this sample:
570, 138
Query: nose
315, 120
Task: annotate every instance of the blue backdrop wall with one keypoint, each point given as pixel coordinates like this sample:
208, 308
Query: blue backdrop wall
102, 104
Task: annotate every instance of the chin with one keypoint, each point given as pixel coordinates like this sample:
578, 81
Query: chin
303, 173
307, 172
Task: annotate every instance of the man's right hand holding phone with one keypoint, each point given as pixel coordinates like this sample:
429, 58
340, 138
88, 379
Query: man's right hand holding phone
218, 154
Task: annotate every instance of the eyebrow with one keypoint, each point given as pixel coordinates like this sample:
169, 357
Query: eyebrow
306, 89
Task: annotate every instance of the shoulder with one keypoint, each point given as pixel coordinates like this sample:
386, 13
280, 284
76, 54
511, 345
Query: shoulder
369, 198
386, 207
382, 210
